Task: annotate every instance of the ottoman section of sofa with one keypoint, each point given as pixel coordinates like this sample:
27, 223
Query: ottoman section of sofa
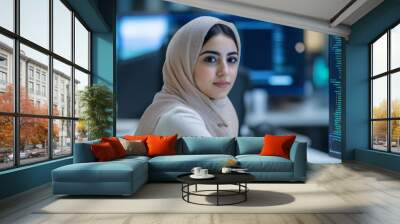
119, 177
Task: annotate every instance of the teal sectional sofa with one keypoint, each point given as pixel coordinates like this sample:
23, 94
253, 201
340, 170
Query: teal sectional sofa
125, 176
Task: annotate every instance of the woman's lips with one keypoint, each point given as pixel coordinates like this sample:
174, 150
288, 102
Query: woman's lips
222, 84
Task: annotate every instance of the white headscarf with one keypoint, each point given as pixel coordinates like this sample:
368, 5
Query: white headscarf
179, 86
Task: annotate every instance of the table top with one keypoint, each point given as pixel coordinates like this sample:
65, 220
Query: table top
220, 178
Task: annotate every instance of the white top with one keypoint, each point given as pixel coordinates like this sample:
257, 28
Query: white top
183, 121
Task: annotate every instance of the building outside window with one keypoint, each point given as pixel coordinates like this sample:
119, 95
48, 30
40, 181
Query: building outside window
3, 72
43, 77
30, 87
3, 81
3, 78
37, 89
385, 91
55, 95
3, 61
56, 134
37, 75
30, 72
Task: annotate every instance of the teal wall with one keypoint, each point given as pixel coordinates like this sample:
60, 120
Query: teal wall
380, 159
102, 59
103, 63
357, 85
95, 14
24, 178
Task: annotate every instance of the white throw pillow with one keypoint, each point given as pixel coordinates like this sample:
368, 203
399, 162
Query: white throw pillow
134, 147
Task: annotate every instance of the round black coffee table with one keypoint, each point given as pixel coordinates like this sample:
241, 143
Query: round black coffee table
238, 179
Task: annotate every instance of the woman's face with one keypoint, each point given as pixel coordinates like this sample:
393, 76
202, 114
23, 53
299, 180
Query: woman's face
216, 67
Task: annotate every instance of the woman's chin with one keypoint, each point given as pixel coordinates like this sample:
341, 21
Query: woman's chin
218, 96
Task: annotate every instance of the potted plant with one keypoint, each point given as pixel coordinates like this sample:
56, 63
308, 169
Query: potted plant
96, 104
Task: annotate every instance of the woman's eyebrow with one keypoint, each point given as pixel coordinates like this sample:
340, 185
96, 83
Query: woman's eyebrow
209, 52
217, 53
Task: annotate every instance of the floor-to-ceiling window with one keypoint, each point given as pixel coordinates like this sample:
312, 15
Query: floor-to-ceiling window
44, 64
385, 91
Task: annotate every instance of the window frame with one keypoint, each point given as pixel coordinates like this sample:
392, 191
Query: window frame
388, 74
16, 115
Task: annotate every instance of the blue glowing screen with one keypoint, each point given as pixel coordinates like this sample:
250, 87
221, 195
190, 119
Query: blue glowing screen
138, 35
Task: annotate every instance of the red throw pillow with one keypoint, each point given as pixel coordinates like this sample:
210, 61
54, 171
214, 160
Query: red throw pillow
103, 151
116, 145
161, 145
277, 145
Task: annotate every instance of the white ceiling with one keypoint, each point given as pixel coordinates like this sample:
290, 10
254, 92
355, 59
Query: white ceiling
324, 16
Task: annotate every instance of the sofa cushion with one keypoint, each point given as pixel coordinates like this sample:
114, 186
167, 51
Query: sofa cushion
277, 145
249, 145
161, 145
257, 163
185, 163
136, 137
116, 145
132, 158
111, 171
103, 152
83, 152
207, 145
134, 147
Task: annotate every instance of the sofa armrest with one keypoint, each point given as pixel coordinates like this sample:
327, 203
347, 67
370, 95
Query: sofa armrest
83, 152
298, 155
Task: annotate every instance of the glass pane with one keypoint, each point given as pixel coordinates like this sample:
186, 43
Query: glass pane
395, 136
81, 45
395, 47
35, 21
34, 92
33, 139
6, 74
81, 131
379, 135
395, 94
62, 89
62, 30
7, 14
379, 97
81, 81
62, 138
6, 142
379, 55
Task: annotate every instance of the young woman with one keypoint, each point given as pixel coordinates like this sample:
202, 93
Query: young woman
200, 69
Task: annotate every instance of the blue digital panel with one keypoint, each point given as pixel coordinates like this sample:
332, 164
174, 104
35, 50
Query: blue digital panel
336, 68
138, 35
260, 39
270, 57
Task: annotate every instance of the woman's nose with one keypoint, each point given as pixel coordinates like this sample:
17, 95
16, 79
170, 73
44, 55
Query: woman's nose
222, 69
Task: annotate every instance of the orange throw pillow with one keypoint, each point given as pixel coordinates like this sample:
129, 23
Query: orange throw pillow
116, 145
103, 152
135, 137
277, 145
161, 145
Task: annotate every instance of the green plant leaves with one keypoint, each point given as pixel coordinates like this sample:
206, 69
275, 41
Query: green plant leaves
97, 104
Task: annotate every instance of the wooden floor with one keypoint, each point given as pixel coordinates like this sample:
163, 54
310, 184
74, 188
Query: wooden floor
377, 188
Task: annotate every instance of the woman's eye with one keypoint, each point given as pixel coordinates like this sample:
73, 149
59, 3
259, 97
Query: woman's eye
232, 60
210, 59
